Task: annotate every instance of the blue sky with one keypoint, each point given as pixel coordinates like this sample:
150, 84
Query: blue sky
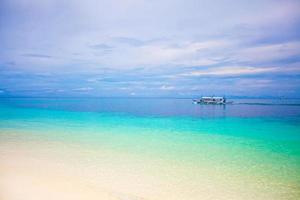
178, 48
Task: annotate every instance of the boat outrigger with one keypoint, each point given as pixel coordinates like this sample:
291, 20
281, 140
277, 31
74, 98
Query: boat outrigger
211, 100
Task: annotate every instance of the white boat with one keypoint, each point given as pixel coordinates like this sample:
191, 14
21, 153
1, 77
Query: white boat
210, 100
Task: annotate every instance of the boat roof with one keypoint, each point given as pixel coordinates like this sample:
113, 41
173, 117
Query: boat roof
212, 97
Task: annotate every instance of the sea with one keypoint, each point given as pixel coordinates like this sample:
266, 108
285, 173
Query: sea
153, 148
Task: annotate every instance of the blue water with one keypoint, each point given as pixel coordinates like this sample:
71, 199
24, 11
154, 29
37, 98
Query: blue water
158, 107
253, 140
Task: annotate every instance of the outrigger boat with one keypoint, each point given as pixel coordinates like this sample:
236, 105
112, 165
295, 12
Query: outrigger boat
211, 100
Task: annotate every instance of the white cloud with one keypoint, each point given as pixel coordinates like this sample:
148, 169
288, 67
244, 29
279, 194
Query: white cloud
231, 71
169, 52
83, 89
167, 87
271, 52
255, 83
108, 38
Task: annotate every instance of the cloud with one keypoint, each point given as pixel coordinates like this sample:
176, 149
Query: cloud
167, 87
101, 46
232, 71
154, 45
130, 41
83, 89
256, 83
36, 55
170, 52
269, 52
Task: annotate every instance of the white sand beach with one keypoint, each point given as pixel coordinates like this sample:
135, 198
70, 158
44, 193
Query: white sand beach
49, 170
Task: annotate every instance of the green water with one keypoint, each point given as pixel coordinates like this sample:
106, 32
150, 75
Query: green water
260, 150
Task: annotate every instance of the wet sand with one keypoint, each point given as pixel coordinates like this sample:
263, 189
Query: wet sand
49, 169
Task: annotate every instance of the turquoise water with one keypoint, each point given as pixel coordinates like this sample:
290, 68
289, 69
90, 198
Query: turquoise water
262, 151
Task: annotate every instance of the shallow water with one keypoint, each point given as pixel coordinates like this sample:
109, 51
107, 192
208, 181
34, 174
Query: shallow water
159, 148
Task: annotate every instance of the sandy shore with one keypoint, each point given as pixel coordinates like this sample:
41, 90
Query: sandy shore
51, 170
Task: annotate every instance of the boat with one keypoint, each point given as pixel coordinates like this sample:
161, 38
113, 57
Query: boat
210, 100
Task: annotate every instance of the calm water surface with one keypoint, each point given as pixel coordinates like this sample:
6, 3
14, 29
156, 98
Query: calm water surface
164, 107
250, 146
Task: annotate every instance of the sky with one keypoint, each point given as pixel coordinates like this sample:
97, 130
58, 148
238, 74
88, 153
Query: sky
154, 48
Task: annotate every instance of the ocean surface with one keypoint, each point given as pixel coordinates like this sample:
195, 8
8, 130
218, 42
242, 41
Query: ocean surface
147, 148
